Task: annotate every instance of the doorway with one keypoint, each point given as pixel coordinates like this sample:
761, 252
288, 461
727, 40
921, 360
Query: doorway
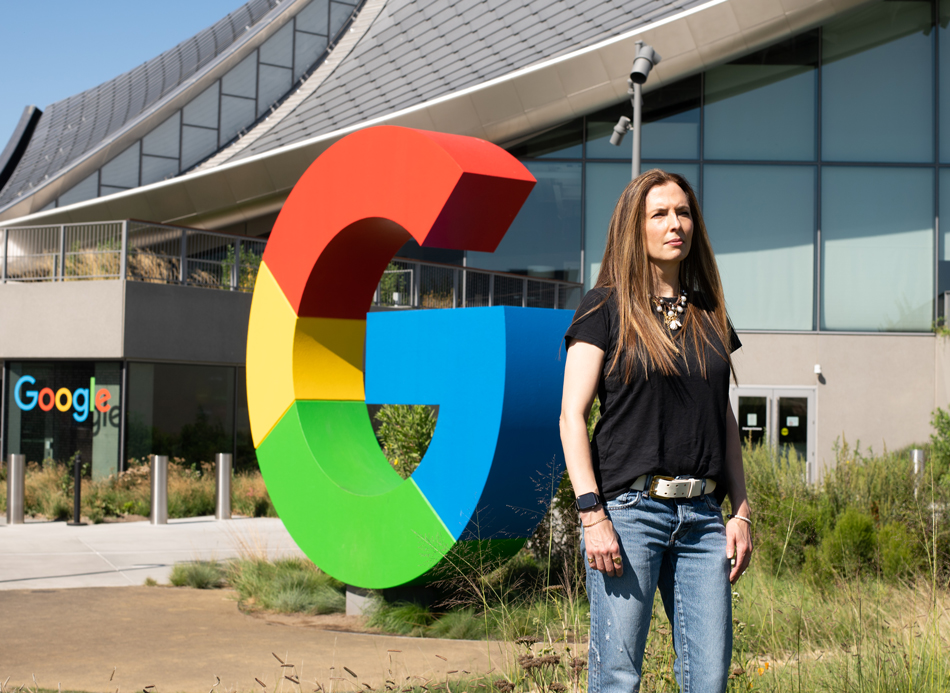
780, 416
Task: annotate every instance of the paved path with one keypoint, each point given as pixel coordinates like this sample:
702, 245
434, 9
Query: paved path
55, 555
179, 640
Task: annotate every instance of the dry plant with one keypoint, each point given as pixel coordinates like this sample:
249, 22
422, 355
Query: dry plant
148, 266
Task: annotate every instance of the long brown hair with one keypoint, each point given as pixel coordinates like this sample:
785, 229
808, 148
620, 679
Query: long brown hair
626, 275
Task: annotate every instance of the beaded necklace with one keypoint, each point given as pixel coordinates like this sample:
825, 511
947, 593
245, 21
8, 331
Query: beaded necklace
671, 309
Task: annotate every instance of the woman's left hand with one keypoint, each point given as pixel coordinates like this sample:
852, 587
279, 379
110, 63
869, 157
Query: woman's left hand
738, 547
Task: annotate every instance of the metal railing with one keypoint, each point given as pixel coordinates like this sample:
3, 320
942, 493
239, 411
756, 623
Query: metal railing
135, 250
165, 254
416, 284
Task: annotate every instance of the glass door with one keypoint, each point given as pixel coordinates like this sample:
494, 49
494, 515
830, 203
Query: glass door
784, 417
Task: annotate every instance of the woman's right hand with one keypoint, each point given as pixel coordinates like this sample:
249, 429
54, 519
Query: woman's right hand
600, 541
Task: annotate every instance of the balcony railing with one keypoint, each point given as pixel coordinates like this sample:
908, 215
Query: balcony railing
415, 284
164, 254
135, 250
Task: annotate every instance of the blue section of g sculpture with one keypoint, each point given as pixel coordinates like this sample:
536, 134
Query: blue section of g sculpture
496, 375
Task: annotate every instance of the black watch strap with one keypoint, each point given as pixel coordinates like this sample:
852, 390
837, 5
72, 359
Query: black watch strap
586, 501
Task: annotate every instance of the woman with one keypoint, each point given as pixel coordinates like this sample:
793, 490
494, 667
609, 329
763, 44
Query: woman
650, 341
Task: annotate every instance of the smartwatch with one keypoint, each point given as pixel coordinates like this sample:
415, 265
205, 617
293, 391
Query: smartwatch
586, 501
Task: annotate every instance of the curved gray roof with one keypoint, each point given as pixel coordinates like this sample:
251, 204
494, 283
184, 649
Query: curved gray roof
72, 127
417, 51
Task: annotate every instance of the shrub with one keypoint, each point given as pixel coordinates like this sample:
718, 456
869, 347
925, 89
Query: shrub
850, 547
897, 555
290, 585
202, 575
404, 432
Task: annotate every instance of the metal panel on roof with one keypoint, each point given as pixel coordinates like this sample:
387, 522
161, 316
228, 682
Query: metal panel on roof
73, 126
425, 35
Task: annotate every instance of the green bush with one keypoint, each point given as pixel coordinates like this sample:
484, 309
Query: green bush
849, 548
202, 575
402, 618
897, 552
404, 432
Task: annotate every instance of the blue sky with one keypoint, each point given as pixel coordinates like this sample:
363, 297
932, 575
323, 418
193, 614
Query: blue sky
51, 49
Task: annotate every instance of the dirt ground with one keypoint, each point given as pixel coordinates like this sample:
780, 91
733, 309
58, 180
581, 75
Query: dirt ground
184, 640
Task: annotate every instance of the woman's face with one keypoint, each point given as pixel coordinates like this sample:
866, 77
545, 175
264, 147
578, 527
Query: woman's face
669, 224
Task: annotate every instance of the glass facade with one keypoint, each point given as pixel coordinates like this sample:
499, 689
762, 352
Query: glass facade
818, 164
54, 409
188, 411
58, 408
211, 120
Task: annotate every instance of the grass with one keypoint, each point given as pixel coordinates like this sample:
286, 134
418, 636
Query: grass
49, 493
849, 588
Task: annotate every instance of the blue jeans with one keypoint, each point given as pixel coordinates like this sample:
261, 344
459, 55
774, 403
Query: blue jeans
680, 547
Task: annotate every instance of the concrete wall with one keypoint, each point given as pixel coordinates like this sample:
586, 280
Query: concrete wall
183, 323
116, 320
76, 320
876, 389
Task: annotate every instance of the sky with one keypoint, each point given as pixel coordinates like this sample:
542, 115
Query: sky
52, 49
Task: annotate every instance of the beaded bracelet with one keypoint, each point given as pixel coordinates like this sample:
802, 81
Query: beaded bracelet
595, 522
739, 517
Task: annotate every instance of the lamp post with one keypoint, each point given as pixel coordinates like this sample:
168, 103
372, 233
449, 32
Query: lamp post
644, 61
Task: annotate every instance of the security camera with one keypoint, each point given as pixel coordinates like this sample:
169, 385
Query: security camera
620, 129
643, 63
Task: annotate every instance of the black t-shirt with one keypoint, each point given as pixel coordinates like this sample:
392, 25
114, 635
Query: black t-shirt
671, 425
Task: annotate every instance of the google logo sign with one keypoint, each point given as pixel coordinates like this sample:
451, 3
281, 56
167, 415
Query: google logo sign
63, 399
315, 358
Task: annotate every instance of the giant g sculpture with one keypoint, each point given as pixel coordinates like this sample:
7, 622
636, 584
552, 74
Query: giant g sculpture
315, 358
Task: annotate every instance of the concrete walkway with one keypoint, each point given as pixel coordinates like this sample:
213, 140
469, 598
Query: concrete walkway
73, 614
53, 555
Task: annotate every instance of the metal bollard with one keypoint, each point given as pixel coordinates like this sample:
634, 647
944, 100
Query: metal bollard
159, 511
16, 488
222, 489
917, 459
77, 492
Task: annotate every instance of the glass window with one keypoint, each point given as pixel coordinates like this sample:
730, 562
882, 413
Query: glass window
763, 106
241, 80
339, 15
163, 140
877, 84
307, 49
122, 171
59, 408
203, 109
275, 82
689, 171
562, 142
943, 257
877, 247
236, 114
670, 125
86, 189
605, 183
156, 168
278, 49
943, 35
180, 410
545, 238
761, 223
196, 144
314, 17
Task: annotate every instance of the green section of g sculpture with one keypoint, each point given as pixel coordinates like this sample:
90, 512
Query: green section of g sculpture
354, 518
